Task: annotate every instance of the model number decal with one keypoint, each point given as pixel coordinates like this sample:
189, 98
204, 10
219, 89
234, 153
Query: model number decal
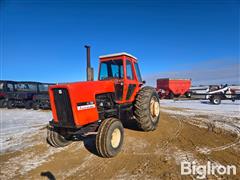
84, 107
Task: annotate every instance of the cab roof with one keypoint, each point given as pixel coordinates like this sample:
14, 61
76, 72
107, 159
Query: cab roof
117, 54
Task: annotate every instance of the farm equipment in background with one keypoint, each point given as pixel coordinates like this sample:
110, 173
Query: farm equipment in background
41, 99
217, 93
23, 95
6, 87
98, 107
170, 88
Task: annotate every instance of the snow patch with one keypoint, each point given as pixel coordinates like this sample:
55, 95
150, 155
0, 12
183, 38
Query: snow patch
17, 126
225, 116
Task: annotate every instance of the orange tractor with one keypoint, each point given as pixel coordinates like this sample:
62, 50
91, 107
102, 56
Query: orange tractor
98, 107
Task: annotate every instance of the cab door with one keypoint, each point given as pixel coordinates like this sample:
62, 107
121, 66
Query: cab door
131, 83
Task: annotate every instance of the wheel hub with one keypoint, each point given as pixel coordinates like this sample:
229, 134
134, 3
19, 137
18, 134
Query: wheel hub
116, 137
154, 107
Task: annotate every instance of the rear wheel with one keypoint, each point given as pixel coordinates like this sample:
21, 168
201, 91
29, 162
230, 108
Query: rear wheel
216, 100
109, 138
147, 109
55, 139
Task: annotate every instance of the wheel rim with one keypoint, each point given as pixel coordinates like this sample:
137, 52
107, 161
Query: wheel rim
116, 137
154, 107
215, 101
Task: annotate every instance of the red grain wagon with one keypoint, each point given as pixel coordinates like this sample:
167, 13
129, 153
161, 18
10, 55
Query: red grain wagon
171, 88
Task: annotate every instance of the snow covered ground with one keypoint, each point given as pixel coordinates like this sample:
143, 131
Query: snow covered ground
18, 125
202, 113
227, 107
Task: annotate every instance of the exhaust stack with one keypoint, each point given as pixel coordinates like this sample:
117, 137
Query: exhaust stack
89, 68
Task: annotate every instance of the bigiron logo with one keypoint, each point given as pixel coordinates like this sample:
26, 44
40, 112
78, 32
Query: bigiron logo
201, 171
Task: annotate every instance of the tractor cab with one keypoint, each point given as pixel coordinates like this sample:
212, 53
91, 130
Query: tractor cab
123, 69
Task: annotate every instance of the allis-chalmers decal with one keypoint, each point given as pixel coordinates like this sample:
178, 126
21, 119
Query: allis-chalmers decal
84, 106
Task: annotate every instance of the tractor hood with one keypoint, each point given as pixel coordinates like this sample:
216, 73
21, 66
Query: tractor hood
79, 99
86, 91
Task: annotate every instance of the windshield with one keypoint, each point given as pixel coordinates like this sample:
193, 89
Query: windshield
111, 69
26, 87
43, 87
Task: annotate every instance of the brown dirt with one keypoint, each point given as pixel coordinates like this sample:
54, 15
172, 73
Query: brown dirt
151, 155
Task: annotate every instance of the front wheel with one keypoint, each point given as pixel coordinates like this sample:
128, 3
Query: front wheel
109, 138
55, 139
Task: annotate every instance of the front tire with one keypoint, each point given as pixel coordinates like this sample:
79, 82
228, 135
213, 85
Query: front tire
147, 109
55, 139
110, 137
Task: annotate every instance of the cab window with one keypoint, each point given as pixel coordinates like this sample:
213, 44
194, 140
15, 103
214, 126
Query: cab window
138, 72
112, 69
129, 70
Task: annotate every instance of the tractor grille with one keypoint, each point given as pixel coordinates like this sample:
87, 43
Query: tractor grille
63, 107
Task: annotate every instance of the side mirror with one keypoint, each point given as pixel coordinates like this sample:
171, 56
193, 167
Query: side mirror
144, 82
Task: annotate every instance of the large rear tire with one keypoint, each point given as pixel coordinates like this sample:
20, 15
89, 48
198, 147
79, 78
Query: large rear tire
55, 139
147, 109
110, 137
